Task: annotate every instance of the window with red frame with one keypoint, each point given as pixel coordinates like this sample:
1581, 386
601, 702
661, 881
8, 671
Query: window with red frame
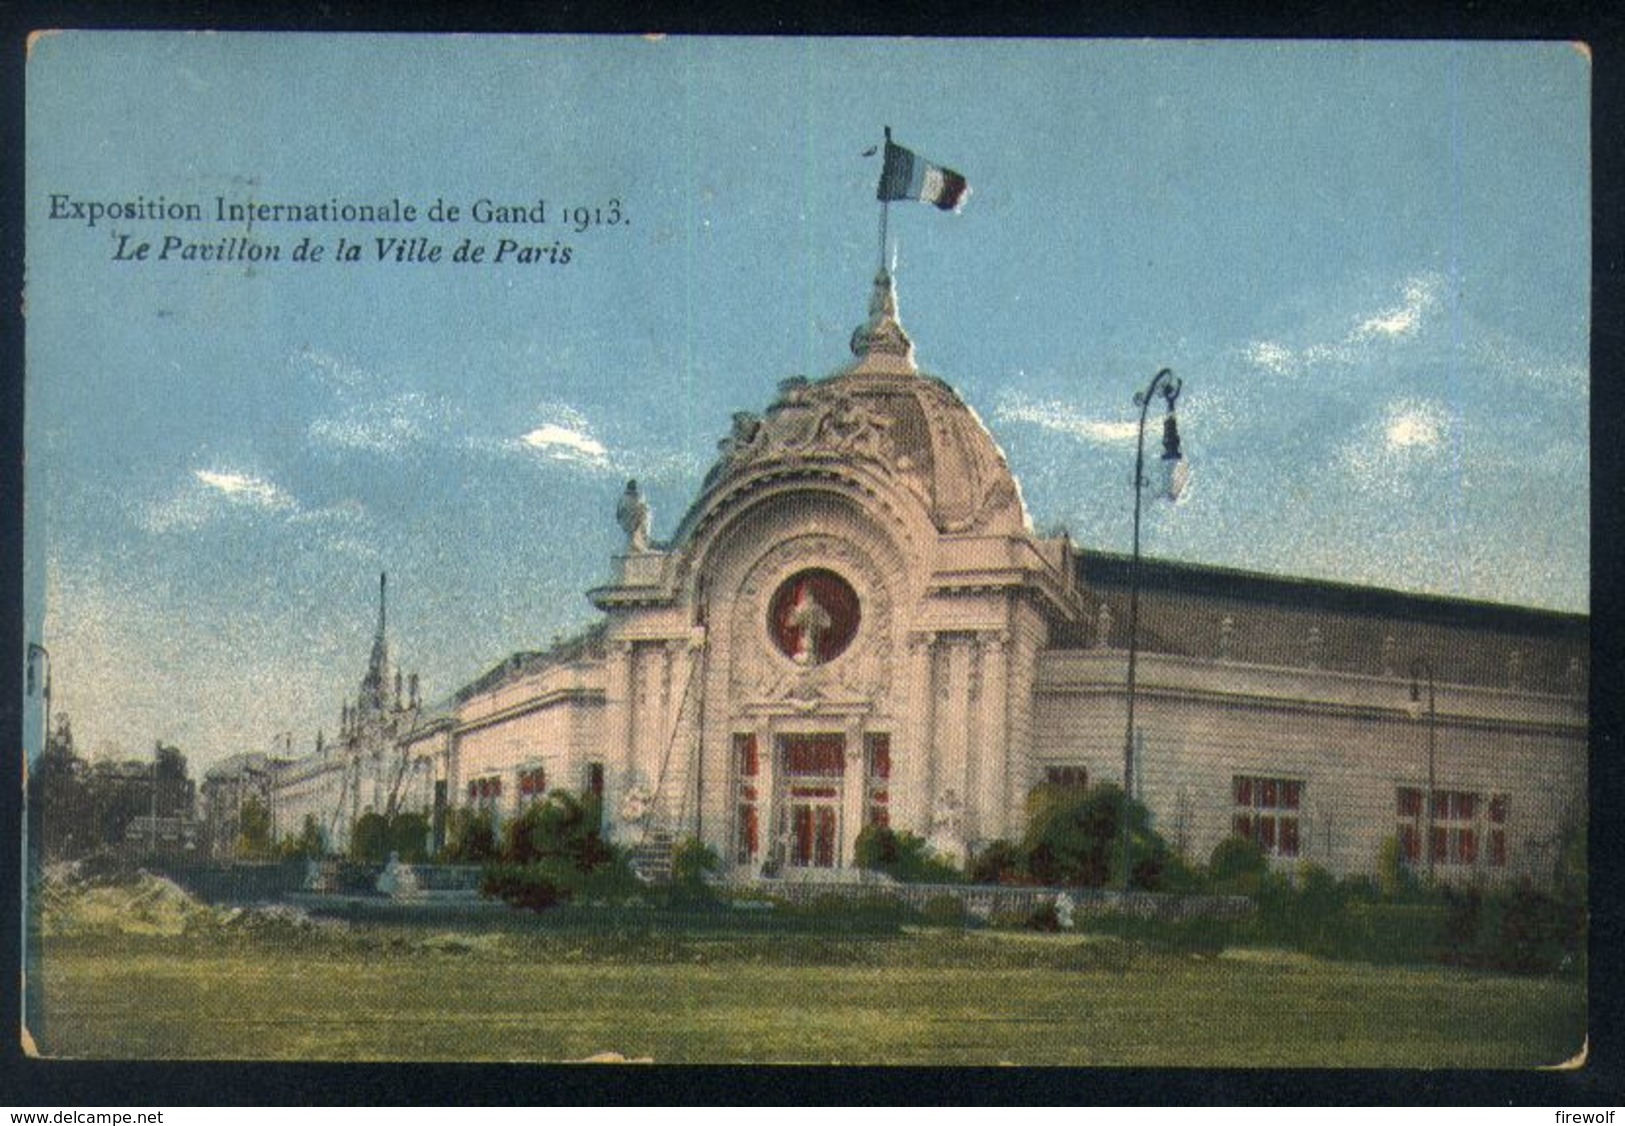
877, 756
485, 792
1067, 777
532, 783
1267, 812
747, 762
814, 756
1452, 829
1498, 831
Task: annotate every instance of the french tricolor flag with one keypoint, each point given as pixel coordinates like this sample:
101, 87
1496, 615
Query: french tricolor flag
907, 176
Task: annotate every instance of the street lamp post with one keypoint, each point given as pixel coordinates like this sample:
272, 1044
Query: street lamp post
1419, 667
1175, 472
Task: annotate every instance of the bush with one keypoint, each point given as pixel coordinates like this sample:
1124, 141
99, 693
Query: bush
308, 845
523, 885
999, 862
369, 839
470, 837
1395, 879
1237, 867
1524, 931
563, 826
902, 856
1076, 837
376, 837
553, 852
692, 860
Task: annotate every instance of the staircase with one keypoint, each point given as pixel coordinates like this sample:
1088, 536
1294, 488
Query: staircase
651, 858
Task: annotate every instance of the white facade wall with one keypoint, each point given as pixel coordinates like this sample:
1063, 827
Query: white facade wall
1351, 740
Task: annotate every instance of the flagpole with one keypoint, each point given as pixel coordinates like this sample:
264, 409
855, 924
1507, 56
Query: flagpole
885, 204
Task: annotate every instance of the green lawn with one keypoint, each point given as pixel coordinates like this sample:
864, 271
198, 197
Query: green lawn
928, 997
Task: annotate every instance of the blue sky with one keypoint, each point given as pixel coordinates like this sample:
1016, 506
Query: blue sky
1370, 263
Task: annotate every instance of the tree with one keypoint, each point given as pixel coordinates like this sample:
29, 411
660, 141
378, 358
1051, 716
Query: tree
176, 792
60, 793
254, 830
369, 838
309, 844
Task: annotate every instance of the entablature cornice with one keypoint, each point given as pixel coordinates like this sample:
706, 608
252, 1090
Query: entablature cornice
591, 697
1171, 677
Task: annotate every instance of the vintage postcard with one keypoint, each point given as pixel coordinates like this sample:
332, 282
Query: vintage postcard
710, 550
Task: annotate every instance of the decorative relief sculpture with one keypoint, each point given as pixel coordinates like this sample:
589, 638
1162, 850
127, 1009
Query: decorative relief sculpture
809, 621
837, 641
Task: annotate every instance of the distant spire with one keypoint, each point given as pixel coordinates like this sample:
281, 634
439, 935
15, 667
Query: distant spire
375, 685
880, 344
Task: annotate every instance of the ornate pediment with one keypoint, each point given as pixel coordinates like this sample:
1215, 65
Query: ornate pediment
810, 422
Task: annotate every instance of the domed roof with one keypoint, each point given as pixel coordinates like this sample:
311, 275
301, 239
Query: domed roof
880, 410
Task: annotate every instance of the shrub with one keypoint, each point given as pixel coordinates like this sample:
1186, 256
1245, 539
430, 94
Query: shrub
523, 885
1524, 931
376, 837
308, 845
553, 852
254, 831
1237, 866
369, 839
470, 837
563, 826
692, 860
1394, 877
902, 856
1076, 837
999, 862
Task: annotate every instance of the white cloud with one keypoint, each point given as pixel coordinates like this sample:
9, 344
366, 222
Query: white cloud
210, 493
1421, 295
1383, 456
386, 427
1412, 426
1065, 418
241, 488
565, 443
1418, 298
1274, 357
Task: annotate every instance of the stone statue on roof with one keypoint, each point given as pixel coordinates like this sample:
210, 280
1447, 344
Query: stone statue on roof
633, 515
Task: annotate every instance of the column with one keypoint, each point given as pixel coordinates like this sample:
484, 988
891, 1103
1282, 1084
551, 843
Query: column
618, 760
853, 788
977, 749
767, 797
913, 747
996, 754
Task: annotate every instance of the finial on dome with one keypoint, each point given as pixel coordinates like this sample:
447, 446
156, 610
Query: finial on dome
880, 344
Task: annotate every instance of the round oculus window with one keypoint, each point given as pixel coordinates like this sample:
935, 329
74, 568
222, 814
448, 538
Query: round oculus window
813, 616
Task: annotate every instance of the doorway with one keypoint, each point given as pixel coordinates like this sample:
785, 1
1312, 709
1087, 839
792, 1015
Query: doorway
813, 769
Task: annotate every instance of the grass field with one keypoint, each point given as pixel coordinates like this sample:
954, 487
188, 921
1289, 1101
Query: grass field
919, 997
